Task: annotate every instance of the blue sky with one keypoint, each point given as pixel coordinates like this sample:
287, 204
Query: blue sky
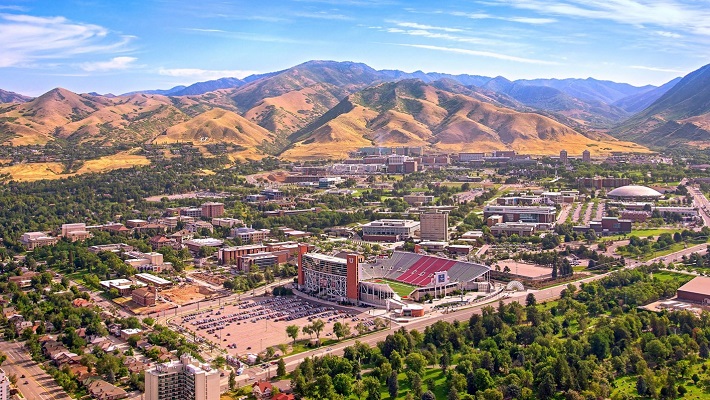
120, 46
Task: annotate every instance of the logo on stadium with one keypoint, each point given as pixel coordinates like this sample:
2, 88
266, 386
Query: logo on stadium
441, 277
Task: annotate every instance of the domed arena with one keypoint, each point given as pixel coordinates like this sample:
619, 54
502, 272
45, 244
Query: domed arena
634, 193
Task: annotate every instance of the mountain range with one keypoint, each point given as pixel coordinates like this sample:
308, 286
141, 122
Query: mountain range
323, 109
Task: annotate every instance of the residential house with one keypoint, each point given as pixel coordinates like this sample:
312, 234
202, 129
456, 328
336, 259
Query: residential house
262, 389
102, 390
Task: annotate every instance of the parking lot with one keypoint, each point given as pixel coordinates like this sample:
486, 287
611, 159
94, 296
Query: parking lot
251, 326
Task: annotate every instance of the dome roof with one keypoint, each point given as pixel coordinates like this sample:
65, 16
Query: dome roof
634, 191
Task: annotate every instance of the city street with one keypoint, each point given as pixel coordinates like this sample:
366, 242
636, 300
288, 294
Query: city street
39, 385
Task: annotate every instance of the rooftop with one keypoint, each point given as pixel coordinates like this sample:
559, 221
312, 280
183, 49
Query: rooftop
699, 284
634, 191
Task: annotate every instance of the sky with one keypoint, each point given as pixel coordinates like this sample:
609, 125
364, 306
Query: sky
120, 46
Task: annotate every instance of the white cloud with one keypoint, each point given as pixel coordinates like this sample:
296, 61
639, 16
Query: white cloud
116, 63
427, 27
204, 74
25, 39
521, 20
482, 54
692, 17
324, 15
656, 69
667, 34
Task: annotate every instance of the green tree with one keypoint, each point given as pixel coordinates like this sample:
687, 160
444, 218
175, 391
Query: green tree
341, 330
317, 327
393, 385
281, 368
232, 380
342, 385
373, 388
292, 332
415, 362
530, 300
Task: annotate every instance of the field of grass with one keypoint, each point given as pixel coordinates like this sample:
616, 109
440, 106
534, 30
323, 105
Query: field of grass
627, 385
665, 276
53, 170
644, 233
402, 289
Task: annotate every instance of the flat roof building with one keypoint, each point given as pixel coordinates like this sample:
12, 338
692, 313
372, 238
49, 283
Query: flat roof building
390, 230
434, 226
696, 291
32, 240
153, 280
182, 379
538, 214
212, 209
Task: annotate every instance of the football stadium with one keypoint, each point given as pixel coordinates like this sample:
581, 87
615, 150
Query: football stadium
388, 281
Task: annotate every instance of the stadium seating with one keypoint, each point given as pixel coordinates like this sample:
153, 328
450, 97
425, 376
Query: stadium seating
418, 269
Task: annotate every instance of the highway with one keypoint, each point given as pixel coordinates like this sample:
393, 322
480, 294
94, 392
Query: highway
39, 385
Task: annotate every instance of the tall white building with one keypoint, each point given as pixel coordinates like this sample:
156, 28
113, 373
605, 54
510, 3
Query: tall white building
4, 386
185, 379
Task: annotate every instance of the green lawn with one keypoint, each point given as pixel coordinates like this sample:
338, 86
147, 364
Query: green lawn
402, 289
440, 388
627, 385
644, 233
664, 276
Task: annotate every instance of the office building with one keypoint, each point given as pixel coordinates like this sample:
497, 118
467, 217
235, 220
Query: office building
212, 210
586, 156
389, 230
434, 225
184, 379
563, 157
539, 214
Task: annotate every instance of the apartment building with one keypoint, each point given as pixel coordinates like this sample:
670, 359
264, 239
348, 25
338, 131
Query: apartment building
4, 386
182, 379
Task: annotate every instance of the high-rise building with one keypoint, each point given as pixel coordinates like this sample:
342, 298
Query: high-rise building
563, 156
184, 379
434, 225
4, 386
212, 210
586, 156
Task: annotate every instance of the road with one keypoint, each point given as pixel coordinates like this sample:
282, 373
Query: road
702, 203
39, 385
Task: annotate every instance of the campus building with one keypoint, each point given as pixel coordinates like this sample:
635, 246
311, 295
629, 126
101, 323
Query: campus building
634, 193
434, 225
330, 277
75, 232
542, 215
182, 379
696, 291
32, 240
212, 210
389, 230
